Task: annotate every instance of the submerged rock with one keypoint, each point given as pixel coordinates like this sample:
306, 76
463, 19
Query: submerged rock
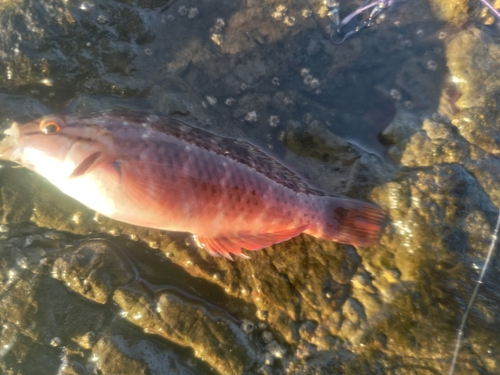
94, 270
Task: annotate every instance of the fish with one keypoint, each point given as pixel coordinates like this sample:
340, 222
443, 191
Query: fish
158, 172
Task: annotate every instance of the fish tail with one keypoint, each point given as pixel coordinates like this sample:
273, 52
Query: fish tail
349, 221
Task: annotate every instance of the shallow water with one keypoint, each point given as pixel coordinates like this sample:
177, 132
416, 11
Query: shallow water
403, 113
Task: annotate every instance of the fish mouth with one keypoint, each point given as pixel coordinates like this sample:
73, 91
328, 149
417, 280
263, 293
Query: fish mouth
86, 164
8, 141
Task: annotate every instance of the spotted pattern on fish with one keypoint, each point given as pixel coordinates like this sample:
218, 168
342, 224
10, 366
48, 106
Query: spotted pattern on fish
235, 149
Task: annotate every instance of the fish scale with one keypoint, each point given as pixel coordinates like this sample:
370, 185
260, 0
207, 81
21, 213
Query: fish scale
161, 173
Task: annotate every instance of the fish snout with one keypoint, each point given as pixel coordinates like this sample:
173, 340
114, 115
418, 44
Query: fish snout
8, 139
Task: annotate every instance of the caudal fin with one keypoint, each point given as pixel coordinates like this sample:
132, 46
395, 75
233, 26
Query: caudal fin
351, 222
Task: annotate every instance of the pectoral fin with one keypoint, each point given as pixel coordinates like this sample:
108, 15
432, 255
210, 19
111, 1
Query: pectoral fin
90, 162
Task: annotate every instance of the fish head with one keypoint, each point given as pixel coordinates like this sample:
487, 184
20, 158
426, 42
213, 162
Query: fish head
54, 146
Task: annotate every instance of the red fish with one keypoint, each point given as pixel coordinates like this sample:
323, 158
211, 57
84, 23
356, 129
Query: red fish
161, 173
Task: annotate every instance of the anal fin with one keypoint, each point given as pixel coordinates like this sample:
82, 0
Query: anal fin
227, 245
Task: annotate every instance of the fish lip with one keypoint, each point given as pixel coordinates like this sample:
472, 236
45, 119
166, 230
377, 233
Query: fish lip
9, 141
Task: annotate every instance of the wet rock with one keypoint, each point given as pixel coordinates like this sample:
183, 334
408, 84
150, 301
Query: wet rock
404, 125
214, 338
478, 75
117, 85
429, 237
111, 359
94, 270
251, 71
124, 349
442, 216
478, 127
486, 171
436, 143
470, 140
397, 134
324, 362
37, 60
351, 166
261, 22
34, 308
69, 367
70, 324
19, 108
14, 208
454, 12
21, 355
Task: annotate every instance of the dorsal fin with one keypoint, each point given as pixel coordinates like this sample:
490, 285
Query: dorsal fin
237, 150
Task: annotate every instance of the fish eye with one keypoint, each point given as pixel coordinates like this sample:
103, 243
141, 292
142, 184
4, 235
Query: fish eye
50, 125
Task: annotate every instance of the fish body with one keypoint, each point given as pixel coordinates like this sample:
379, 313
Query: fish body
161, 173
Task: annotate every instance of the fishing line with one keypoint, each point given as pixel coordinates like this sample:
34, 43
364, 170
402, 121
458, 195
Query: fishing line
485, 266
495, 12
473, 297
